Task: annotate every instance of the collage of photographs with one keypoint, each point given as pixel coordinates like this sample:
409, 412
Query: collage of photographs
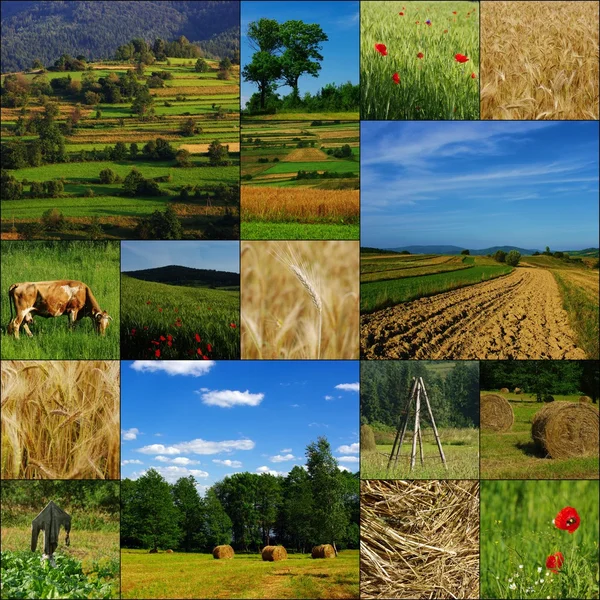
300, 299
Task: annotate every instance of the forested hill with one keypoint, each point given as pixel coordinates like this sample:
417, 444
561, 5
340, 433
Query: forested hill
48, 29
187, 276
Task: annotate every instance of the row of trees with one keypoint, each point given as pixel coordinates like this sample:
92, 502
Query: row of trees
319, 504
511, 258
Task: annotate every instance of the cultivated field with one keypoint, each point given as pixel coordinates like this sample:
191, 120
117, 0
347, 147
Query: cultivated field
513, 455
60, 420
420, 60
213, 106
178, 322
97, 264
539, 60
246, 576
300, 180
300, 300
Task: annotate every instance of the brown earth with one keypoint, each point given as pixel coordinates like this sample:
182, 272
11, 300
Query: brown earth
519, 316
305, 155
202, 148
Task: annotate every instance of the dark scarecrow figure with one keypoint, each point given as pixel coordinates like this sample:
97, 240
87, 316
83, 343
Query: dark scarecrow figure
49, 521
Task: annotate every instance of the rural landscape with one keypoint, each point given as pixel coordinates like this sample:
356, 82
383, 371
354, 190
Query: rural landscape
95, 264
140, 142
539, 419
420, 60
309, 51
87, 568
176, 310
300, 180
547, 548
243, 514
452, 390
539, 60
505, 292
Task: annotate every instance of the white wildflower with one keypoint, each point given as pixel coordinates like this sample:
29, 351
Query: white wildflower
520, 566
541, 581
512, 586
539, 569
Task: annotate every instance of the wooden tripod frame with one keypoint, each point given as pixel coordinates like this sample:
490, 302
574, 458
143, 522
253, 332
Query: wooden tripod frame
417, 390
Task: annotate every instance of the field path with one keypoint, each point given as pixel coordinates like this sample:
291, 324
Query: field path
518, 316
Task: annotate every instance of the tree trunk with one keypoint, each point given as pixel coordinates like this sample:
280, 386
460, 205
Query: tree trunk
335, 549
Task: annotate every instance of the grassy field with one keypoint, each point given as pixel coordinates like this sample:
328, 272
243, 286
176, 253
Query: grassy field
461, 449
212, 104
169, 319
97, 264
297, 206
539, 60
516, 542
246, 576
417, 74
391, 279
513, 455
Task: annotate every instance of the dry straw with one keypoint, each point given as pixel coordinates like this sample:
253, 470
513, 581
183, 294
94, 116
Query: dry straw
504, 391
496, 413
272, 553
323, 551
518, 391
585, 399
224, 551
60, 420
367, 439
565, 429
419, 539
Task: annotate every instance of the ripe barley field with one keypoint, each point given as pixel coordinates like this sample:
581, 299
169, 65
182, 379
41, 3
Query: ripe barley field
539, 60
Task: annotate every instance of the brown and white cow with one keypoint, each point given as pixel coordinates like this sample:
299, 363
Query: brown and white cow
53, 299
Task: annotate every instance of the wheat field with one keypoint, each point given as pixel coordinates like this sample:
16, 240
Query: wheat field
300, 300
539, 60
60, 420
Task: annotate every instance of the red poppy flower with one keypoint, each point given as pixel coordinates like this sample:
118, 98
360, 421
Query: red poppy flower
198, 351
208, 348
205, 357
420, 55
198, 338
453, 12
145, 326
148, 302
401, 14
555, 561
157, 353
567, 519
162, 338
381, 48
233, 325
133, 332
473, 76
461, 58
428, 22
169, 344
170, 337
178, 324
155, 343
160, 310
396, 78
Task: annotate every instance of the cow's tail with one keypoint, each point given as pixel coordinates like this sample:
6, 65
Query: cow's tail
11, 300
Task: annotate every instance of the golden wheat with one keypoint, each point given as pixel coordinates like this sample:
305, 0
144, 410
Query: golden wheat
539, 60
60, 420
300, 300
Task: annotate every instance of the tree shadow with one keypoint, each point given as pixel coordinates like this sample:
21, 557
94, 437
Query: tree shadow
530, 449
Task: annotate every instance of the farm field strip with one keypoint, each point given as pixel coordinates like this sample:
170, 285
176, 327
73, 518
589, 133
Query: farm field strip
400, 270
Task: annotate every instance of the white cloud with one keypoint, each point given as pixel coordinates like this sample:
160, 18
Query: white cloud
286, 450
349, 449
348, 387
173, 473
348, 459
182, 460
343, 468
130, 434
328, 397
318, 425
282, 458
158, 449
195, 368
229, 398
271, 471
158, 435
234, 464
161, 458
133, 461
200, 446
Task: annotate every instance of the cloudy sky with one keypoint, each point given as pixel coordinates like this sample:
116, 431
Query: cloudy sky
210, 419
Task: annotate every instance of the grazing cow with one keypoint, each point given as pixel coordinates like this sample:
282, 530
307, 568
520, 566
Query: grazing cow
53, 299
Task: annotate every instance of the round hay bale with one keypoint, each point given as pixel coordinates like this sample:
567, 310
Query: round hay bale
323, 551
585, 399
496, 413
224, 551
272, 553
518, 390
564, 429
169, 551
504, 391
367, 439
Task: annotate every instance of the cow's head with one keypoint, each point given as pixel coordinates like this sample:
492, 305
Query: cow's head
101, 319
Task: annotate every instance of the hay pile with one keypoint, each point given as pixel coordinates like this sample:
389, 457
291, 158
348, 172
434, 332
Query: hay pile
367, 439
518, 390
274, 553
419, 539
496, 413
223, 552
504, 391
564, 429
323, 551
585, 399
169, 551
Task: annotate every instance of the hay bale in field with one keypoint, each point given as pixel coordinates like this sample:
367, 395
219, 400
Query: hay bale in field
504, 391
585, 399
223, 551
272, 553
169, 551
496, 413
518, 391
564, 429
367, 439
323, 551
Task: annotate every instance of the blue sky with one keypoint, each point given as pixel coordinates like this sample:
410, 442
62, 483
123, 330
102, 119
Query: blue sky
480, 184
213, 418
221, 256
339, 20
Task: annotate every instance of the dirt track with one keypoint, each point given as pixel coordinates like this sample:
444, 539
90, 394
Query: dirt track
518, 316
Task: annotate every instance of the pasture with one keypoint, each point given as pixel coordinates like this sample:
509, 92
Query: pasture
300, 179
245, 576
97, 264
513, 455
178, 322
420, 60
515, 544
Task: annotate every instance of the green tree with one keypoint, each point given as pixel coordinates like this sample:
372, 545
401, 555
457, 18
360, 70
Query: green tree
513, 258
217, 525
143, 103
107, 176
268, 494
294, 523
217, 153
465, 252
132, 182
190, 507
201, 66
183, 158
10, 187
225, 64
188, 127
500, 256
133, 150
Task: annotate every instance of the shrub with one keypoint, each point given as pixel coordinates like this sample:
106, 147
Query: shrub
263, 160
513, 258
53, 220
88, 193
500, 256
31, 231
465, 252
107, 176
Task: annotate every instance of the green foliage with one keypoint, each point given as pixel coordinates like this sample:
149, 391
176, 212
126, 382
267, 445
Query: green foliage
160, 225
201, 66
107, 176
217, 153
10, 187
465, 252
500, 256
513, 258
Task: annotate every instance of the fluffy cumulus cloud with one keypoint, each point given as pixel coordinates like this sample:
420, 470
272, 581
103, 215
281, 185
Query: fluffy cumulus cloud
229, 398
179, 460
234, 464
349, 449
328, 397
348, 387
197, 446
193, 368
282, 458
343, 468
133, 461
265, 469
285, 450
172, 473
159, 449
347, 459
130, 434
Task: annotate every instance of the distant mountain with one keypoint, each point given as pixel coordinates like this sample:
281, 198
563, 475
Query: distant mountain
589, 252
187, 276
459, 249
47, 29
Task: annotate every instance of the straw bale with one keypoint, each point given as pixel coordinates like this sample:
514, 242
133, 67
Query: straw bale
496, 413
367, 439
169, 551
585, 399
323, 551
272, 553
504, 391
224, 551
518, 390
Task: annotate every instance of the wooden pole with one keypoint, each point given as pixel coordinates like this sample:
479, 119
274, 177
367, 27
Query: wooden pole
416, 431
401, 431
435, 431
421, 446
